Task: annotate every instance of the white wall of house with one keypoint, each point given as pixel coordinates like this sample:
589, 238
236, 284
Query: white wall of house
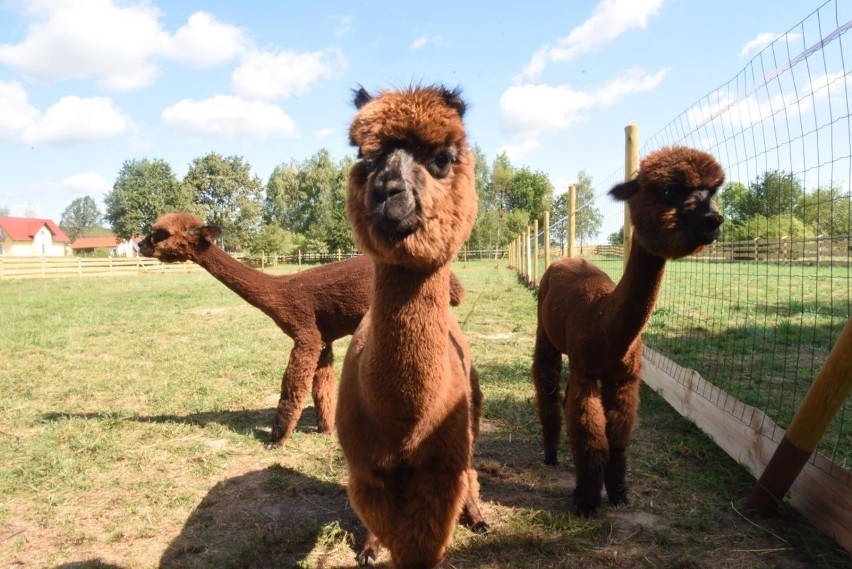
41, 245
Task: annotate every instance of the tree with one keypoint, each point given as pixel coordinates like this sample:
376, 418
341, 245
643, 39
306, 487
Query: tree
530, 191
588, 218
775, 192
283, 204
272, 240
143, 191
81, 215
769, 227
735, 201
616, 238
228, 195
330, 225
482, 178
827, 211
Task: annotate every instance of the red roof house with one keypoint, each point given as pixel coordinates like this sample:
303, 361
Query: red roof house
29, 236
117, 247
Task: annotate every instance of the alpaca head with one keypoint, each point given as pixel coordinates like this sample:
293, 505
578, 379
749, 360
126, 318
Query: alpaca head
177, 237
411, 198
671, 201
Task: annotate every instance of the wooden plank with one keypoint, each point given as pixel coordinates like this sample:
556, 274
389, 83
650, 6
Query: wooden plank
821, 493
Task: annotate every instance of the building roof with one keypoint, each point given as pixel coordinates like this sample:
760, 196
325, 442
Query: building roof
107, 241
25, 228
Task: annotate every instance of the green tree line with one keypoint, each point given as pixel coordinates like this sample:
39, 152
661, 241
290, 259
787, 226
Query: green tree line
303, 203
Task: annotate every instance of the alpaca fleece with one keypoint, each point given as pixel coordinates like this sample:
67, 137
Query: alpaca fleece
314, 307
409, 399
583, 314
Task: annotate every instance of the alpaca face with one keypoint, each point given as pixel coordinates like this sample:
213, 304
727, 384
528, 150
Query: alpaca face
176, 237
411, 197
671, 201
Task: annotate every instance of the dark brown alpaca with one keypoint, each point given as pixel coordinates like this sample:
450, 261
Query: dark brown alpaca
409, 402
313, 307
583, 314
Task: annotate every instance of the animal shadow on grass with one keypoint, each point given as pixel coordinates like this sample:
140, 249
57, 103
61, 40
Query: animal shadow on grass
89, 564
276, 517
252, 422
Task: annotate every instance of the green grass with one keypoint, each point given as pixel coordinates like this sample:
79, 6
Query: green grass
133, 412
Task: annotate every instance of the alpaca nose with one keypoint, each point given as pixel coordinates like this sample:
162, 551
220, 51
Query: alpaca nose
713, 220
391, 196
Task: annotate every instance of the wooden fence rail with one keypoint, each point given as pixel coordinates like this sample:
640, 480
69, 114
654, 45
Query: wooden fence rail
57, 267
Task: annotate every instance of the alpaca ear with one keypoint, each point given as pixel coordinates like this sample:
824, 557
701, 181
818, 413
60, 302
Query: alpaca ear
211, 232
453, 99
362, 97
625, 191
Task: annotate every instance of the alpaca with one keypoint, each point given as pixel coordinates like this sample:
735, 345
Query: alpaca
583, 314
314, 307
409, 402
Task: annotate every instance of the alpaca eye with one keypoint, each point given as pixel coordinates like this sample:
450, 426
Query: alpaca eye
160, 235
440, 164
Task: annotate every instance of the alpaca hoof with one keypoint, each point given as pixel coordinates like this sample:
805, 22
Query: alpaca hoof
274, 443
366, 558
618, 499
586, 506
481, 528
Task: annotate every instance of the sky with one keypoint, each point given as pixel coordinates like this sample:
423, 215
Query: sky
86, 85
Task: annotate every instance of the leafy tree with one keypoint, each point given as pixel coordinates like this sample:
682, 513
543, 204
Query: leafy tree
272, 240
283, 204
616, 238
331, 226
769, 227
4, 211
482, 177
502, 173
588, 218
531, 192
81, 215
228, 195
484, 233
775, 192
143, 191
827, 211
736, 202
516, 222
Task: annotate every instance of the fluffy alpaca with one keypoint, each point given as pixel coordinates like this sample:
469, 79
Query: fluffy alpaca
583, 314
314, 307
409, 402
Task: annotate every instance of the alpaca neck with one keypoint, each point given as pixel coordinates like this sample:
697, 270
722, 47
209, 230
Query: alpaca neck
409, 335
631, 303
252, 285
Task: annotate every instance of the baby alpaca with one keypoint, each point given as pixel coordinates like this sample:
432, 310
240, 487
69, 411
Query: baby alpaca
409, 402
583, 314
314, 307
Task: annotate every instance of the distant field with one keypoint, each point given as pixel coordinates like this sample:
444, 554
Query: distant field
133, 412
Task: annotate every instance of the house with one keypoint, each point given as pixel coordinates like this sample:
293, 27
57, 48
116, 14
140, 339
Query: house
29, 236
117, 247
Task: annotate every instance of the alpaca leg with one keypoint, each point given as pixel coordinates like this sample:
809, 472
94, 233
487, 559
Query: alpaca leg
471, 515
294, 388
369, 550
621, 402
589, 445
547, 372
323, 390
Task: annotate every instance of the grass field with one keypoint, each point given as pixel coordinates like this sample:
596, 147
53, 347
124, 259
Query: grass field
134, 412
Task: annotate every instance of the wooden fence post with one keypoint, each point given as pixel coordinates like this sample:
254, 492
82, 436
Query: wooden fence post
631, 170
535, 254
299, 259
546, 240
572, 220
823, 400
527, 255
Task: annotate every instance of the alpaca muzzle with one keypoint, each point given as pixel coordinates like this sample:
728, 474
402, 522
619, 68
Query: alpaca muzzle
392, 201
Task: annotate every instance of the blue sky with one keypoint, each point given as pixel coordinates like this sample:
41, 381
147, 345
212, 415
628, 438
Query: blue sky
88, 84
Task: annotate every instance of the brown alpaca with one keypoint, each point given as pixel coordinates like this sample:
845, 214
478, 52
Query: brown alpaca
583, 314
409, 402
313, 307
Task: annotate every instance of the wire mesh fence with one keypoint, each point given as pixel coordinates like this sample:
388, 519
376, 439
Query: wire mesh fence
757, 313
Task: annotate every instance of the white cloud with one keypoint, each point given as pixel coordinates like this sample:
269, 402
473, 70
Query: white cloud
74, 119
229, 116
71, 40
344, 26
758, 43
610, 19
16, 112
528, 110
205, 42
85, 184
421, 42
268, 75
323, 133
518, 151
